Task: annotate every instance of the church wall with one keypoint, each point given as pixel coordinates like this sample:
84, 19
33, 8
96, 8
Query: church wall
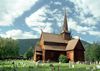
53, 55
79, 55
70, 55
41, 42
42, 46
34, 55
79, 46
79, 52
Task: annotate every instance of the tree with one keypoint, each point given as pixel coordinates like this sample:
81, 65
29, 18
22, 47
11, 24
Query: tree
87, 52
38, 43
95, 51
29, 53
9, 47
63, 58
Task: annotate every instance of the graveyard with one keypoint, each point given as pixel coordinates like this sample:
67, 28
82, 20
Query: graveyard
30, 65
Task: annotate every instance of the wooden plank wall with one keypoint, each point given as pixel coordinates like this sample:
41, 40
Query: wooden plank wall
53, 55
71, 55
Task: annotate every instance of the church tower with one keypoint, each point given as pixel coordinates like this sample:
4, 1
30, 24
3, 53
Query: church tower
65, 33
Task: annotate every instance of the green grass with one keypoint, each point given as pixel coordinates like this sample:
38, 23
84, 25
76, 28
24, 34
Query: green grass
45, 67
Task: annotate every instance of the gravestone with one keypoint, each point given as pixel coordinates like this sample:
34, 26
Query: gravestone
36, 63
8, 62
73, 63
83, 62
69, 63
48, 61
53, 68
96, 62
79, 69
50, 65
90, 62
72, 66
42, 64
87, 63
78, 62
87, 68
99, 62
57, 68
24, 65
59, 62
94, 68
98, 66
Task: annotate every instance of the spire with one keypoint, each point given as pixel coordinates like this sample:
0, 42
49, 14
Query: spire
65, 26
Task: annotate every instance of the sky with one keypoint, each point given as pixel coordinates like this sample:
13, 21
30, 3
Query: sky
23, 19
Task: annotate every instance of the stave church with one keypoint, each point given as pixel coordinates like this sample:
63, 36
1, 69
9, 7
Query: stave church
53, 45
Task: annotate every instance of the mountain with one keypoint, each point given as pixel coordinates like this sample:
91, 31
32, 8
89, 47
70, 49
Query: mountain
25, 44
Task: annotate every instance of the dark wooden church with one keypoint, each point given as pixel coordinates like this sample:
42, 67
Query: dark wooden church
53, 45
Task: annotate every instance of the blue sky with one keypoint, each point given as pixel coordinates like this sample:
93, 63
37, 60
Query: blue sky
23, 19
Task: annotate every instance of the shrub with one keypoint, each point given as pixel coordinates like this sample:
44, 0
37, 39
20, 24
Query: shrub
38, 43
63, 58
29, 53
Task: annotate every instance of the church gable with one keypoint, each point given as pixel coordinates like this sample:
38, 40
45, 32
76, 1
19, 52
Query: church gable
71, 44
79, 46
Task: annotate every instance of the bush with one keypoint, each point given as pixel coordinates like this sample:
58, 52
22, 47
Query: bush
29, 53
63, 58
38, 43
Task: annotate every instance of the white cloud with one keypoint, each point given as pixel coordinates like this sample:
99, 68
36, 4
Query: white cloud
94, 33
86, 8
83, 30
18, 34
36, 20
89, 21
59, 24
10, 10
0, 29
57, 3
76, 37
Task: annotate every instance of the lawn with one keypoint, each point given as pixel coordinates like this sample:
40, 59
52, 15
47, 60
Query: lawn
23, 65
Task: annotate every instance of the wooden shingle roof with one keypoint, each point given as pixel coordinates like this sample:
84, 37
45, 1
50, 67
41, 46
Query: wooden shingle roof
38, 48
55, 47
48, 37
38, 53
71, 44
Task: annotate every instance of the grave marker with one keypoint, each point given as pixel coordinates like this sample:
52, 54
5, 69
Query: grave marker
87, 68
53, 68
59, 62
69, 63
98, 66
72, 66
96, 62
79, 69
57, 68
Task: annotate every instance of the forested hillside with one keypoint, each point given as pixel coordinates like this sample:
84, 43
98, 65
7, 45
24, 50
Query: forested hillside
26, 43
